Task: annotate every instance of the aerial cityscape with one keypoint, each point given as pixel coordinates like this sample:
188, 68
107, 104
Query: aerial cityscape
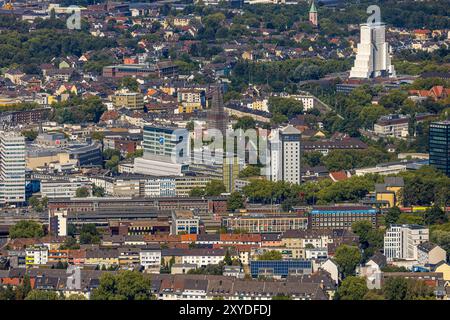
224, 150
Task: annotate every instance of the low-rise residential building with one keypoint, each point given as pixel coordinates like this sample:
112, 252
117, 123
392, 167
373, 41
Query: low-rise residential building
36, 255
430, 254
150, 259
102, 257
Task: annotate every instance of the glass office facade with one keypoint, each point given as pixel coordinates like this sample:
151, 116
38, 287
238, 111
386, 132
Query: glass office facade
279, 268
439, 146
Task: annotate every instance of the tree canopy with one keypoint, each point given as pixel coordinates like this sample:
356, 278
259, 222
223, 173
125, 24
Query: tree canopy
26, 229
125, 285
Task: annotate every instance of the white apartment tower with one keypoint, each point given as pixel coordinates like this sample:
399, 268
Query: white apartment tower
401, 241
12, 168
372, 59
285, 155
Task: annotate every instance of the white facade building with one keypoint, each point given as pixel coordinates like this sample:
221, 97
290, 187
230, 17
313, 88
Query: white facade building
285, 155
401, 241
150, 259
373, 59
160, 187
58, 222
202, 260
57, 189
12, 168
36, 255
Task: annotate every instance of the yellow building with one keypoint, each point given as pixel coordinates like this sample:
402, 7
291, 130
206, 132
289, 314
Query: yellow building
231, 169
189, 107
129, 100
52, 99
7, 101
247, 55
390, 191
181, 22
103, 257
66, 88
184, 185
445, 269
43, 159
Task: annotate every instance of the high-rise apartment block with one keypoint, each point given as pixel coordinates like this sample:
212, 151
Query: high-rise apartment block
12, 168
285, 155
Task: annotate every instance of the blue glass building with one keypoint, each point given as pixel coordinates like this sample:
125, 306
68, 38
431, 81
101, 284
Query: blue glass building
279, 268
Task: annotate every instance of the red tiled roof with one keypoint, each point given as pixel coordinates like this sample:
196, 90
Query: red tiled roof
338, 175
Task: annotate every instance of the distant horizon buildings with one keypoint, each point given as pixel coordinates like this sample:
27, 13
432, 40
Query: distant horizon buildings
12, 168
372, 59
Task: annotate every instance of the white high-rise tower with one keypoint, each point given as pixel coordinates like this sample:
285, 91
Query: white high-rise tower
12, 168
372, 59
285, 155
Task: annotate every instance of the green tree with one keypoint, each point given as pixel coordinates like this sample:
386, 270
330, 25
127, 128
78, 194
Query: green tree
125, 285
43, 295
82, 192
370, 239
281, 297
214, 188
392, 216
109, 153
112, 164
373, 295
440, 234
129, 83
352, 288
399, 288
7, 293
71, 230
288, 107
24, 288
135, 154
410, 218
76, 296
70, 243
235, 201
98, 135
347, 258
30, 135
89, 234
435, 215
34, 202
98, 191
227, 259
250, 171
197, 192
26, 229
245, 123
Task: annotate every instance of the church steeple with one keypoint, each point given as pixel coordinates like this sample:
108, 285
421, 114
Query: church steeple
313, 14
